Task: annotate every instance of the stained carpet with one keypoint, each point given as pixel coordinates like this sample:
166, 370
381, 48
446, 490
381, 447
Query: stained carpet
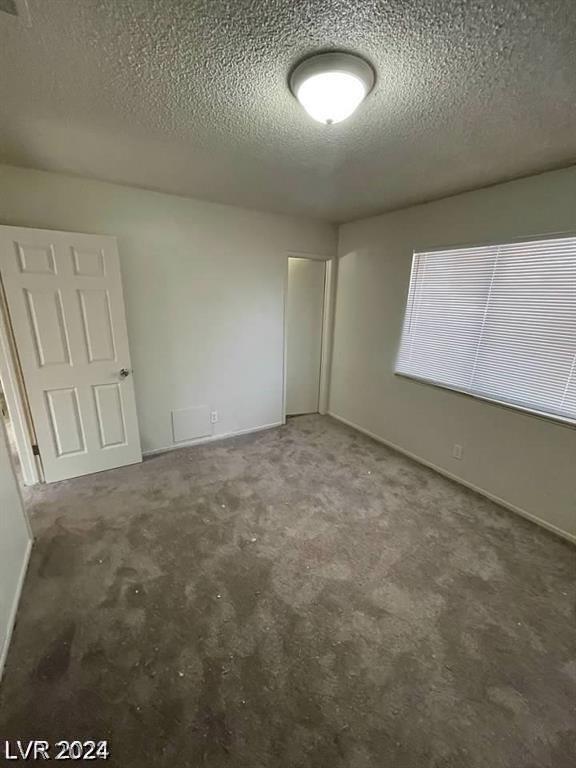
303, 597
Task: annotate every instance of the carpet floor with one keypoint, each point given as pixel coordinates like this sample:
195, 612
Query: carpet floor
298, 598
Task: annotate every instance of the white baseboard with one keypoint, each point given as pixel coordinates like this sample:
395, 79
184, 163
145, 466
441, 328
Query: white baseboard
482, 491
14, 610
212, 439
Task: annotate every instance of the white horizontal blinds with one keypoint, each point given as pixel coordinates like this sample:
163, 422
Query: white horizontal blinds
529, 339
446, 305
506, 319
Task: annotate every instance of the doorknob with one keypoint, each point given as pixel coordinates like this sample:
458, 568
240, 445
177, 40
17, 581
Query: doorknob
124, 372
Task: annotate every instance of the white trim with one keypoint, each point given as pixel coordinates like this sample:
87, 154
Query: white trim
331, 295
502, 502
14, 610
308, 255
212, 438
327, 327
285, 336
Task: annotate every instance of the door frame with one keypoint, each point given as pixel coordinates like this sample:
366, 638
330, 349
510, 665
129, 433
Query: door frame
16, 398
327, 326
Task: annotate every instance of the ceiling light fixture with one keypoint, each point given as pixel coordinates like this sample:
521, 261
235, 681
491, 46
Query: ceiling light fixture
331, 86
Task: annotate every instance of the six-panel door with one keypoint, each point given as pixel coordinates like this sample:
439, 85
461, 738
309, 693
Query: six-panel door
64, 295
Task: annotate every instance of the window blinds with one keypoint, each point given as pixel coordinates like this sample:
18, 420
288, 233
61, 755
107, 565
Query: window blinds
496, 321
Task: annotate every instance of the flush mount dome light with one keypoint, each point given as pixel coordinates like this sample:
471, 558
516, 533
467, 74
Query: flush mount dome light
330, 86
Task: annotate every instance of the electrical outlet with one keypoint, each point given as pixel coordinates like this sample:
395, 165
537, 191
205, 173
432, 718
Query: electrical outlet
457, 451
213, 417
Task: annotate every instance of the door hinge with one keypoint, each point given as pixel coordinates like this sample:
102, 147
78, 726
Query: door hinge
35, 450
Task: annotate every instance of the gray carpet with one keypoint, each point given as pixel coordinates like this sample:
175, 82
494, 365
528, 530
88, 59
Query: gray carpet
303, 597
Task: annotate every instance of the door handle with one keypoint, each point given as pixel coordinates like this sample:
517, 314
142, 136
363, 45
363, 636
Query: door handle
124, 372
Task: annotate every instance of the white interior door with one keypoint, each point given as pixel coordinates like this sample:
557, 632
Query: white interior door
64, 296
304, 316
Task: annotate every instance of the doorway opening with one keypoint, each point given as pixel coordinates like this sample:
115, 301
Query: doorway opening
14, 408
10, 434
307, 330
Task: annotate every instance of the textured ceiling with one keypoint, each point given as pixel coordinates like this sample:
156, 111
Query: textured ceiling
190, 97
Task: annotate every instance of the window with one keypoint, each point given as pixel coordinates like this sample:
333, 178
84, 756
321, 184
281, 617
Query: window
496, 321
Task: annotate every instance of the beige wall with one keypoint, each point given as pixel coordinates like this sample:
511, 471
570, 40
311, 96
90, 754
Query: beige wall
526, 461
203, 285
204, 296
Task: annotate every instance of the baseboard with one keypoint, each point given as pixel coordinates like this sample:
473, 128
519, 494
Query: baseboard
16, 601
212, 439
482, 491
